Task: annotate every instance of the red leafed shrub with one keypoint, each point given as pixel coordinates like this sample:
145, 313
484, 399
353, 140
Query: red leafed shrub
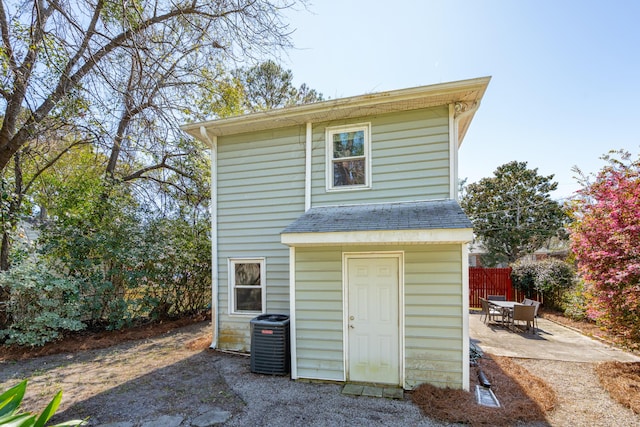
605, 239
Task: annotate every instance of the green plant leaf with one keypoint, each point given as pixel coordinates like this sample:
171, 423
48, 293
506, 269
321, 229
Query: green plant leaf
22, 420
71, 423
49, 410
10, 400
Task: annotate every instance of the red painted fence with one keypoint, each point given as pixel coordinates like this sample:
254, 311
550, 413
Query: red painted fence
491, 281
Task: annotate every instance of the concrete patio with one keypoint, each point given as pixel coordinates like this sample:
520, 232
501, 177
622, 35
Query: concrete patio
552, 342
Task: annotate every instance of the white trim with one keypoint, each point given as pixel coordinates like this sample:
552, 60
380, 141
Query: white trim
443, 236
307, 166
292, 313
330, 131
465, 316
231, 284
399, 255
453, 154
469, 91
345, 313
401, 327
215, 312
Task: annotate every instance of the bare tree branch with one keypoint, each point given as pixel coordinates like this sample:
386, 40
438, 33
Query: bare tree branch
162, 165
85, 60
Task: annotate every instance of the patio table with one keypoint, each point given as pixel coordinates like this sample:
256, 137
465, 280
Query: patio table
504, 306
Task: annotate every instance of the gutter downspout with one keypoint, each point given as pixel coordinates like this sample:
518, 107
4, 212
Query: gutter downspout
293, 343
458, 112
308, 147
213, 143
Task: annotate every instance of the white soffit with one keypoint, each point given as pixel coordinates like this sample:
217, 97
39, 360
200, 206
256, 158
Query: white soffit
406, 237
464, 91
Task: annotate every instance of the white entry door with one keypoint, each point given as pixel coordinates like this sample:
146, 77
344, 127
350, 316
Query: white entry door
372, 320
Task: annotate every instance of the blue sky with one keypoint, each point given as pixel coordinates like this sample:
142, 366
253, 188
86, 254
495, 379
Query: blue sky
565, 85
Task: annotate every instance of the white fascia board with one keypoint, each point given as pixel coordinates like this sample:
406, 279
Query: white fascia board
471, 90
434, 236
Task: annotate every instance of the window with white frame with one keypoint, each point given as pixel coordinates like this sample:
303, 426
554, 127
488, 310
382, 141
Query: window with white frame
247, 285
348, 157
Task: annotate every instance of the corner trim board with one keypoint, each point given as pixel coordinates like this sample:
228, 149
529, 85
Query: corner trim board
213, 144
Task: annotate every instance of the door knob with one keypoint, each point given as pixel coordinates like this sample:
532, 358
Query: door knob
351, 318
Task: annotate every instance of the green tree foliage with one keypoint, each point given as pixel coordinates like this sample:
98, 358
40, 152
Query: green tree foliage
130, 269
551, 278
575, 301
512, 212
605, 239
91, 99
116, 78
99, 248
176, 267
41, 304
225, 97
71, 186
251, 89
119, 76
268, 85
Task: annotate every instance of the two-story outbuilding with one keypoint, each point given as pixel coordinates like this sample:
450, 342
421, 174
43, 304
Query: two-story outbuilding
343, 215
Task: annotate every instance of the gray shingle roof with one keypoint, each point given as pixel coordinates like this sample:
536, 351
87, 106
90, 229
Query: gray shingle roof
436, 214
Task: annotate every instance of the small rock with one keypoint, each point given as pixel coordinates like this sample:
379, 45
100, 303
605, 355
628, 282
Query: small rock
211, 418
118, 424
164, 421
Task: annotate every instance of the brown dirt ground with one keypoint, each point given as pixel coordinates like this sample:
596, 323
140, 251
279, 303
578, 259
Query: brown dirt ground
76, 365
87, 340
105, 376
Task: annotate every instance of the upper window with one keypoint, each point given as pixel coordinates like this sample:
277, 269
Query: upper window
348, 157
246, 284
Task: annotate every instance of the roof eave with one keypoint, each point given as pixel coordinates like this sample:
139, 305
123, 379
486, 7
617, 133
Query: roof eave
371, 237
468, 91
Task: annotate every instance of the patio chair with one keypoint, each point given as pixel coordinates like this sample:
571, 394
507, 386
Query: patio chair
536, 304
497, 298
524, 313
487, 311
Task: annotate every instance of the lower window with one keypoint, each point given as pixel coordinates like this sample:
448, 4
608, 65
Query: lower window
246, 282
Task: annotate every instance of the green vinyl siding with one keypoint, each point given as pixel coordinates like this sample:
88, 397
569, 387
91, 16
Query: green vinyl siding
409, 159
432, 312
433, 316
319, 313
260, 191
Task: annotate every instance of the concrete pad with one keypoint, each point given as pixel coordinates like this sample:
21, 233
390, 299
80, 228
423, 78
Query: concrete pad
393, 393
372, 391
352, 389
552, 342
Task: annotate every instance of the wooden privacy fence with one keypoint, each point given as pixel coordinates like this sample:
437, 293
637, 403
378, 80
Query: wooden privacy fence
491, 281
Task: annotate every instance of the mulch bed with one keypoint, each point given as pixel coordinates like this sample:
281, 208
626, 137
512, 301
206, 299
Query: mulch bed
523, 397
622, 381
87, 340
